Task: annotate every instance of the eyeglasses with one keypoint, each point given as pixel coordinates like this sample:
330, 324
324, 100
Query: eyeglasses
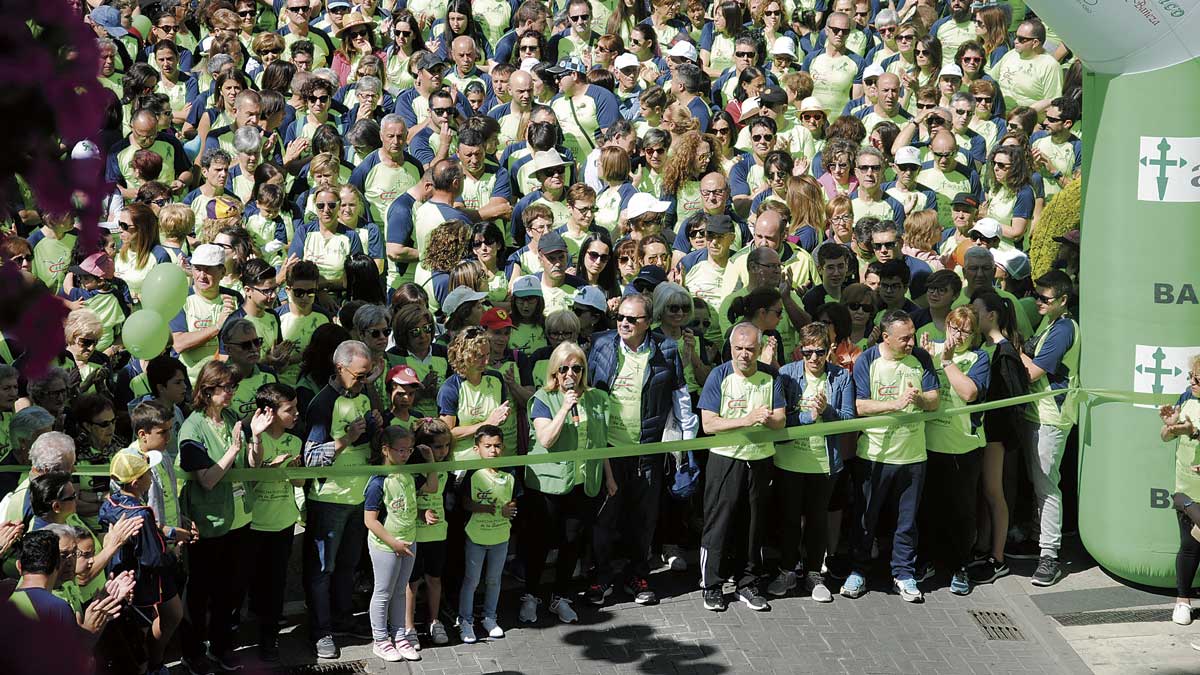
303, 292
886, 30
318, 99
811, 353
893, 287
621, 318
597, 256
842, 218
573, 368
839, 165
624, 260
269, 292
943, 155
860, 307
883, 245
972, 59
907, 37
590, 209
871, 168
678, 309
654, 151
256, 343
377, 333
762, 138
104, 424
713, 193
326, 206
1044, 299
68, 498
581, 17
1024, 38
421, 330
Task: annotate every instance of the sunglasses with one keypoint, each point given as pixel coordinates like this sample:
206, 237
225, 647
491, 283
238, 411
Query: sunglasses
773, 12
922, 51
326, 206
983, 99
20, 259
811, 353
581, 17
1001, 165
871, 168
972, 59
87, 343
883, 245
274, 51
421, 330
625, 260
700, 324
318, 99
303, 292
959, 111
597, 256
1044, 299
860, 307
621, 318
529, 48
744, 55
1052, 119
573, 368
248, 13
926, 106
299, 9
256, 343
440, 112
719, 130
402, 33
168, 29
104, 424
908, 37
693, 234
555, 171
354, 35
479, 243
837, 31
126, 227
759, 138
943, 155
678, 309
979, 237
377, 332
67, 498
776, 175
1024, 38
654, 151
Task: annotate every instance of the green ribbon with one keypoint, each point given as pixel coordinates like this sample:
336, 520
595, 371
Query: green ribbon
1094, 397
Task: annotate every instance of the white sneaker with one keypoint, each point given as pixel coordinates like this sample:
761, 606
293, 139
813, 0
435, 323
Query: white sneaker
405, 649
529, 605
562, 607
493, 629
386, 651
438, 632
1182, 614
410, 636
783, 583
466, 631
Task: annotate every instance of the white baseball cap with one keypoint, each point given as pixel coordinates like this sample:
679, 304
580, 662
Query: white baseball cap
684, 50
988, 227
1013, 261
908, 155
208, 255
626, 60
749, 108
875, 70
85, 149
529, 64
643, 203
784, 46
460, 296
948, 71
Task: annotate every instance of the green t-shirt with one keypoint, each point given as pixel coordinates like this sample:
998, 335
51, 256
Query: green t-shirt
833, 79
211, 510
432, 501
625, 425
810, 454
959, 434
201, 313
274, 500
732, 396
247, 390
495, 488
475, 403
51, 258
902, 443
346, 490
399, 502
426, 406
298, 329
1187, 451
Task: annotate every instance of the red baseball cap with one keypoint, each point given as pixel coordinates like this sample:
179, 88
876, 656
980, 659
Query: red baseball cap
404, 375
496, 318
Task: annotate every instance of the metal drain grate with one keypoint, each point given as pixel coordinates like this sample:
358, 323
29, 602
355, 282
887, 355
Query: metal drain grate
349, 668
1114, 616
997, 625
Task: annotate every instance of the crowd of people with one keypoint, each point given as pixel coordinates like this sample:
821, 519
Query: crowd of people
434, 232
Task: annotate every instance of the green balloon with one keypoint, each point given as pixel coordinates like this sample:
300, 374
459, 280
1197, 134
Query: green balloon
165, 289
145, 334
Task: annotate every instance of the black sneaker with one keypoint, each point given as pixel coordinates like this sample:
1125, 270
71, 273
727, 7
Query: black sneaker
837, 567
1026, 550
924, 573
750, 597
1048, 572
597, 593
639, 588
987, 570
714, 600
199, 665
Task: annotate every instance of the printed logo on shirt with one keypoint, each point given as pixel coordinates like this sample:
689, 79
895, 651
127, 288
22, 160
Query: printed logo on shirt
738, 404
484, 497
202, 323
396, 505
888, 391
623, 382
57, 266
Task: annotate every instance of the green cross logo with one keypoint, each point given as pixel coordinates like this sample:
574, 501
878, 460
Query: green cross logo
1162, 163
1158, 371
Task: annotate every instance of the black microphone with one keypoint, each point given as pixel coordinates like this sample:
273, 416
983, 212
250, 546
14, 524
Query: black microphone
569, 384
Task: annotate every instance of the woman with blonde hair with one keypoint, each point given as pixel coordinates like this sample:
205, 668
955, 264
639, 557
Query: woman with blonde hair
922, 233
83, 330
475, 394
839, 220
806, 200
947, 511
678, 121
560, 499
449, 244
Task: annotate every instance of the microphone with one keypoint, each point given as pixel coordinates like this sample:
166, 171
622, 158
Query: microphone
569, 384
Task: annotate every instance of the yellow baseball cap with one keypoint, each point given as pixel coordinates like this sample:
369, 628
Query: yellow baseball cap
127, 467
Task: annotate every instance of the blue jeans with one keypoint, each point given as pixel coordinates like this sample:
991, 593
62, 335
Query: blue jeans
333, 542
474, 568
893, 488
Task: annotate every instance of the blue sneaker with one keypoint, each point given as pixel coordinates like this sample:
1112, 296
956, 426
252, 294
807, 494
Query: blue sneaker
960, 583
908, 590
854, 585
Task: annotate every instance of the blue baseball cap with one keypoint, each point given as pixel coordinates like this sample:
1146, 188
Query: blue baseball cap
109, 18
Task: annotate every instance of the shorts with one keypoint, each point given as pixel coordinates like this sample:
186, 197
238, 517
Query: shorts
431, 559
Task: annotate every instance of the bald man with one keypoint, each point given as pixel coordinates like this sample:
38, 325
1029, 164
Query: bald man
947, 177
511, 115
144, 134
887, 104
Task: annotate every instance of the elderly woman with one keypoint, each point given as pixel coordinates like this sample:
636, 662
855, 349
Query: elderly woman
475, 394
372, 326
672, 317
210, 443
24, 428
412, 333
561, 326
559, 502
50, 451
83, 332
